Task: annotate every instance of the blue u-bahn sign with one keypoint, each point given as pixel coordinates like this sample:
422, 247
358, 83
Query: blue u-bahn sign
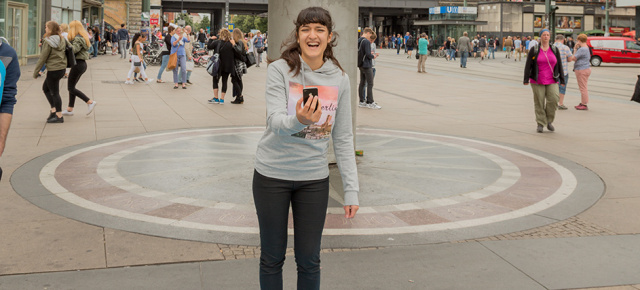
453, 10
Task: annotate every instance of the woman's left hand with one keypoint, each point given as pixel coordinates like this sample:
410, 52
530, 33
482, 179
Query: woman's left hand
350, 211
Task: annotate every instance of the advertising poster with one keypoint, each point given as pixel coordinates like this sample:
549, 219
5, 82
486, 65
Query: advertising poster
537, 22
154, 17
569, 22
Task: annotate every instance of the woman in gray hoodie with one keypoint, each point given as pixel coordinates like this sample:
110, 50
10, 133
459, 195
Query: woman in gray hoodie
291, 167
53, 54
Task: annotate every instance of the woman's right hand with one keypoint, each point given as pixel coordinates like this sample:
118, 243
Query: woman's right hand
305, 114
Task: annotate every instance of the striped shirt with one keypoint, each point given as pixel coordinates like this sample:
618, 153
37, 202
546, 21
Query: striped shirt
565, 52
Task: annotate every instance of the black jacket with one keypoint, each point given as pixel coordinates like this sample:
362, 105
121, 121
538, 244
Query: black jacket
227, 54
531, 67
364, 53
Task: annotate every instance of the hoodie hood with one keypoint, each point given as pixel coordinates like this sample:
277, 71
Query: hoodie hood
54, 41
328, 68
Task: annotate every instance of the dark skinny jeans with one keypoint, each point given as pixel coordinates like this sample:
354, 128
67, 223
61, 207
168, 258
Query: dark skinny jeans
51, 88
366, 78
308, 200
74, 76
238, 86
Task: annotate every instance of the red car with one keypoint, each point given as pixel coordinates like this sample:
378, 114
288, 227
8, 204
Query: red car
613, 50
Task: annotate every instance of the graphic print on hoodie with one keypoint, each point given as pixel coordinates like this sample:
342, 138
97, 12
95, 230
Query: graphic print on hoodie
328, 96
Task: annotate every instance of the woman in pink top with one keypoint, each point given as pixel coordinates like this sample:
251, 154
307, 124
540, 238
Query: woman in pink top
544, 71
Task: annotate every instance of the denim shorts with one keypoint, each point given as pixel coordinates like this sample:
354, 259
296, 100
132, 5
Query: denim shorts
563, 88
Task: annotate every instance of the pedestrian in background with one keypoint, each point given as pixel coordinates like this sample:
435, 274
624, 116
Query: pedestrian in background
80, 41
240, 55
166, 51
566, 56
543, 70
188, 49
290, 170
453, 46
224, 47
114, 42
137, 59
464, 46
423, 45
447, 48
53, 55
399, 43
518, 46
258, 47
178, 46
96, 41
372, 38
582, 68
508, 44
123, 40
365, 65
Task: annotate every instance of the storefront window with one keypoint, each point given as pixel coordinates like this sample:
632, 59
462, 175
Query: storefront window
32, 24
3, 32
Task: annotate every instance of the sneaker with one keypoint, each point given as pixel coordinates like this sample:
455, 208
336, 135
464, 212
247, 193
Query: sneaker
55, 119
562, 107
149, 81
90, 109
67, 113
214, 101
374, 106
362, 105
581, 107
136, 80
189, 83
221, 102
128, 82
141, 79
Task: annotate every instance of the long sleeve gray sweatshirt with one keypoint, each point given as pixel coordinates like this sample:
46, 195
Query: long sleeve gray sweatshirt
290, 150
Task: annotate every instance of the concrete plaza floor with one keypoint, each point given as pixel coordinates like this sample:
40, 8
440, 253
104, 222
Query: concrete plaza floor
586, 246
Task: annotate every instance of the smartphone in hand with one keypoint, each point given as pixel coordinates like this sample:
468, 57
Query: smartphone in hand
306, 92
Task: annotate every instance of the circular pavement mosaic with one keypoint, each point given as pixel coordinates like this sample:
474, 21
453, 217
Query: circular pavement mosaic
415, 188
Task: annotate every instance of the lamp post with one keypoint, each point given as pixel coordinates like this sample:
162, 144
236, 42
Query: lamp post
606, 18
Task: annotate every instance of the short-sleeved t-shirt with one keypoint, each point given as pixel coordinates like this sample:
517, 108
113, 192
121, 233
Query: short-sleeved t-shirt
546, 62
565, 52
423, 43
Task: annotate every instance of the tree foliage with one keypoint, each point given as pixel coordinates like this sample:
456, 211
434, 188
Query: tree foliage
204, 23
246, 23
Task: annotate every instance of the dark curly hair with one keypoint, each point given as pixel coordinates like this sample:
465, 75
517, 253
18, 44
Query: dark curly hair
291, 52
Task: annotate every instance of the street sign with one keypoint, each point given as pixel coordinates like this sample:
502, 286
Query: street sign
184, 12
231, 26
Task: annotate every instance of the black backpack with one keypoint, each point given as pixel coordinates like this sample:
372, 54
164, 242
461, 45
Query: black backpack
412, 41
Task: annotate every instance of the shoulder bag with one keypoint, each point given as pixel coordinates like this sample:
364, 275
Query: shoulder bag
71, 57
213, 66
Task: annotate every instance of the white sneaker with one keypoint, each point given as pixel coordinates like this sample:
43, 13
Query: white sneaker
91, 106
362, 105
67, 113
149, 81
128, 82
374, 106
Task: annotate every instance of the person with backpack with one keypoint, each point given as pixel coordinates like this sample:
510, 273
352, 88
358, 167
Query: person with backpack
582, 69
365, 65
53, 54
482, 46
80, 41
411, 42
543, 70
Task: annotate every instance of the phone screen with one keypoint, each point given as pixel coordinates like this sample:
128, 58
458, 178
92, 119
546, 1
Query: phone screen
309, 91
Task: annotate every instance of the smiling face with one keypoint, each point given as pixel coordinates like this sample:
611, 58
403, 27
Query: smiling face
313, 39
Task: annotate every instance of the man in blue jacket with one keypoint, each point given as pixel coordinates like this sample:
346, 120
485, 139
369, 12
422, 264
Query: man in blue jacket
9, 75
123, 39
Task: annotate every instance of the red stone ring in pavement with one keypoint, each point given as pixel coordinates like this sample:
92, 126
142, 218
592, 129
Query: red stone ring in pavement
415, 188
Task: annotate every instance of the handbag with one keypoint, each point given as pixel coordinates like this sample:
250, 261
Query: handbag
173, 61
213, 66
251, 59
137, 63
260, 49
417, 55
636, 93
190, 65
71, 57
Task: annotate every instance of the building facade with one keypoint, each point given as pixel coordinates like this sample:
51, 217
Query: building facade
572, 18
